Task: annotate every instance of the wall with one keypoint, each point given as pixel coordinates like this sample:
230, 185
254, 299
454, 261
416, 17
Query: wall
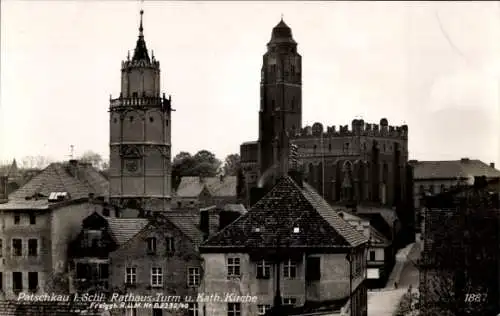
174, 266
334, 282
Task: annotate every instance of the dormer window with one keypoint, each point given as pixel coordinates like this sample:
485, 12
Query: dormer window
296, 230
256, 229
92, 238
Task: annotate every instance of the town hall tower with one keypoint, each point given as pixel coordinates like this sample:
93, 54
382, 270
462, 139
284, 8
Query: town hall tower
140, 134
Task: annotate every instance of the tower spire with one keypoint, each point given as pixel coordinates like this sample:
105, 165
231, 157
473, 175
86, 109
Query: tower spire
141, 29
141, 52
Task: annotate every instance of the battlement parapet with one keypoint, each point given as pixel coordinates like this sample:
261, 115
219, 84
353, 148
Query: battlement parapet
358, 128
143, 101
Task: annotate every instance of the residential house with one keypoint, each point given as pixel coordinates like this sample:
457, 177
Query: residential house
291, 245
12, 178
38, 222
89, 252
380, 259
196, 192
161, 258
434, 177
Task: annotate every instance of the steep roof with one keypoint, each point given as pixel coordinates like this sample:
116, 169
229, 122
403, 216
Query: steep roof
123, 229
284, 208
376, 237
217, 186
188, 224
78, 180
452, 169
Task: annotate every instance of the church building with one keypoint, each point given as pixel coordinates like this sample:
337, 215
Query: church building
140, 135
361, 164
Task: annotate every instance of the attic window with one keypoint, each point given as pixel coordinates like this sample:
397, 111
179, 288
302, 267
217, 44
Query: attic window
57, 196
256, 229
296, 230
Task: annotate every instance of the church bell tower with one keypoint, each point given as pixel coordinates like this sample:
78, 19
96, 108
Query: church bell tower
280, 112
140, 134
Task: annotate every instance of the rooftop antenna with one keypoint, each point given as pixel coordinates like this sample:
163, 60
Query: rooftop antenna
281, 16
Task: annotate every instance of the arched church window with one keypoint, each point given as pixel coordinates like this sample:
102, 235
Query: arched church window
131, 118
135, 95
166, 122
115, 120
151, 119
330, 147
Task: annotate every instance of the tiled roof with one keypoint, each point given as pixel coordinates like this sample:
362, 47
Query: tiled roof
193, 186
451, 169
188, 223
57, 178
285, 207
389, 215
123, 229
376, 237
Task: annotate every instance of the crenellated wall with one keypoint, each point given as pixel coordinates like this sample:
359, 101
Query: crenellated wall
358, 128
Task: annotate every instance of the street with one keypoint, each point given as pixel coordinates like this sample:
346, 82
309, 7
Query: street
384, 302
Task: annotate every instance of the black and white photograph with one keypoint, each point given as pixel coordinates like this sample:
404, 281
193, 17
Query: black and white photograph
249, 158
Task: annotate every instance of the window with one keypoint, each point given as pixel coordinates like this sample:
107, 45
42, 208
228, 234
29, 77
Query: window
313, 269
372, 255
1, 248
346, 147
289, 269
130, 275
330, 147
233, 267
262, 309
166, 122
289, 301
17, 219
1, 281
193, 276
17, 281
32, 219
33, 281
131, 118
92, 238
193, 309
263, 270
131, 312
157, 312
151, 245
151, 119
234, 309
32, 247
17, 247
156, 277
169, 244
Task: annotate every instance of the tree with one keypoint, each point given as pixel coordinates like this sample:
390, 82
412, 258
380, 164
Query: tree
35, 162
203, 163
93, 158
231, 165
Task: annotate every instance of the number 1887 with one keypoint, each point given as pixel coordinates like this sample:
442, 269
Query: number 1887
475, 297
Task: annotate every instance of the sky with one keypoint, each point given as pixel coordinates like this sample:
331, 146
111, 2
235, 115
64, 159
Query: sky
433, 66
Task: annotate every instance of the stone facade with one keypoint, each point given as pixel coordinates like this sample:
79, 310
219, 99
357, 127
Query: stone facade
140, 135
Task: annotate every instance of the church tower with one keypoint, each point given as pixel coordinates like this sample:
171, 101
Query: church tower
280, 97
140, 134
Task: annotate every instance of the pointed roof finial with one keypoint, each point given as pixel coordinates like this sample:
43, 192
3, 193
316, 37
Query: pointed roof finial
141, 29
281, 16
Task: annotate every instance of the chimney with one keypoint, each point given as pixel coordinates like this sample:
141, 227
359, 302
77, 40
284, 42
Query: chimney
221, 178
464, 160
73, 167
492, 165
204, 224
91, 197
256, 194
297, 176
3, 188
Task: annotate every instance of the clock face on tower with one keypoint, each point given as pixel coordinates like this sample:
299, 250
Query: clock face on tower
132, 165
